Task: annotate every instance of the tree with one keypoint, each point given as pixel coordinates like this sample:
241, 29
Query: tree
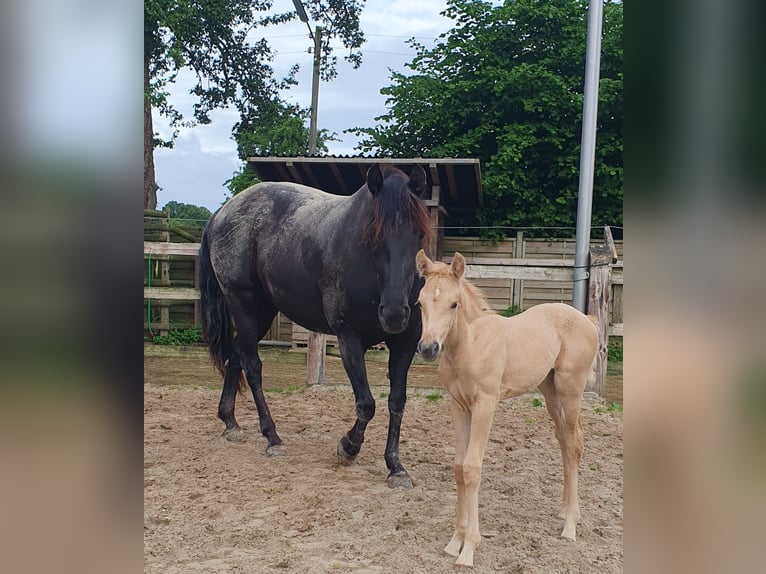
186, 213
505, 85
218, 40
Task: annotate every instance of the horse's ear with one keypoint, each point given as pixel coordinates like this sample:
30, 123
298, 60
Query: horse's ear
423, 263
458, 265
374, 179
418, 182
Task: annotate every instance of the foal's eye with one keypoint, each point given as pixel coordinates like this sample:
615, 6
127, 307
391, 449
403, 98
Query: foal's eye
453, 305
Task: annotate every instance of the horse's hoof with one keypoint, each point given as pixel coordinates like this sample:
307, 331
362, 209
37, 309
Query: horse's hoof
344, 458
569, 533
234, 435
399, 480
276, 450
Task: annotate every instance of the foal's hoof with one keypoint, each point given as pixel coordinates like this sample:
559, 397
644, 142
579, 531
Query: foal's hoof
234, 435
399, 480
276, 450
344, 458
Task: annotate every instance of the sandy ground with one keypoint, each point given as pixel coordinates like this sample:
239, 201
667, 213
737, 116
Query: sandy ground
215, 506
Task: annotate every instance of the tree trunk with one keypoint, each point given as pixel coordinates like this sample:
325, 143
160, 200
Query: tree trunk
150, 185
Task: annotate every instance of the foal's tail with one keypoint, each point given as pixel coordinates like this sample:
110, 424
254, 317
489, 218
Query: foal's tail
216, 321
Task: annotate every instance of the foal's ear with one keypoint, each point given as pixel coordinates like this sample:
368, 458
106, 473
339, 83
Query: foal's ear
418, 181
458, 265
422, 263
374, 179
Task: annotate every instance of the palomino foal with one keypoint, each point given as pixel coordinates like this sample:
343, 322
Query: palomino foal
486, 358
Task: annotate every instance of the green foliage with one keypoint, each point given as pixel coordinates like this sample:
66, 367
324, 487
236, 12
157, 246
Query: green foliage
510, 311
191, 336
222, 42
433, 397
241, 180
611, 408
614, 352
537, 402
505, 85
186, 213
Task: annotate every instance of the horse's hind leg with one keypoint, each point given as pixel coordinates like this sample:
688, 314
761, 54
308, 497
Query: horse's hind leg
556, 412
568, 395
231, 381
253, 321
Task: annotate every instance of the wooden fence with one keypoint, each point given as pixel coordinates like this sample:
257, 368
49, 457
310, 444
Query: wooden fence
517, 272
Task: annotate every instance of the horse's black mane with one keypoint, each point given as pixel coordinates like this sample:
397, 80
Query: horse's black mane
395, 208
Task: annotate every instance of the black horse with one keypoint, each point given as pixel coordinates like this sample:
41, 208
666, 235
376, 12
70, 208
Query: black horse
339, 265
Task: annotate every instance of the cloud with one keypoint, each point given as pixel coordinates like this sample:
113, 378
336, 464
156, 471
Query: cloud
353, 99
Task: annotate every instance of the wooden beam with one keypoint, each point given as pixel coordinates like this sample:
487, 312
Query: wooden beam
339, 179
520, 272
315, 358
599, 289
610, 242
451, 184
294, 172
366, 160
518, 284
515, 262
171, 293
162, 248
313, 181
282, 172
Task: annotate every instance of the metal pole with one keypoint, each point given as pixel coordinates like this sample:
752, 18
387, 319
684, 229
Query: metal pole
587, 153
316, 341
315, 91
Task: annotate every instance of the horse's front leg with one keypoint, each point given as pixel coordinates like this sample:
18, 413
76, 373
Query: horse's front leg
400, 357
482, 415
461, 421
352, 356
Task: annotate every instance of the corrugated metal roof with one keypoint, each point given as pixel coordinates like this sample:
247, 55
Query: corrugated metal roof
458, 179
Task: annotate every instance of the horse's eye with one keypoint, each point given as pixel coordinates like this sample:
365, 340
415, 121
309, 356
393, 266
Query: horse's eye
453, 305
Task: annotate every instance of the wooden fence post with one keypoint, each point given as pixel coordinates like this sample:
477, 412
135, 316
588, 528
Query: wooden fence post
315, 358
517, 297
599, 288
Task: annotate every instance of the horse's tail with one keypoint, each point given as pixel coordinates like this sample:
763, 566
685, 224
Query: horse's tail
217, 327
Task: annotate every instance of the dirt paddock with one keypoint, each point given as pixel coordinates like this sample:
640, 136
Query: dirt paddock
215, 506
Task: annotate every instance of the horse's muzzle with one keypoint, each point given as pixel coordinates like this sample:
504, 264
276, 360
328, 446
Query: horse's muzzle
428, 351
394, 318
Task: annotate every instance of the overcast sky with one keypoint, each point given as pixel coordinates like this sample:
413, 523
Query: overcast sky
206, 156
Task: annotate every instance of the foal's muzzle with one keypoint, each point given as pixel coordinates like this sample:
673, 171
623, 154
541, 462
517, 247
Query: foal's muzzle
428, 350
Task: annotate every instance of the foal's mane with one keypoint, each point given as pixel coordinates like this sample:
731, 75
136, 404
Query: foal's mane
394, 208
475, 303
474, 300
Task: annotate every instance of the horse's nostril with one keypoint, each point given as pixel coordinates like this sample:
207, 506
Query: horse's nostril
380, 309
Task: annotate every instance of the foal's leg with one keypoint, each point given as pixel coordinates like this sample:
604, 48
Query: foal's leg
482, 415
569, 394
352, 356
556, 412
461, 421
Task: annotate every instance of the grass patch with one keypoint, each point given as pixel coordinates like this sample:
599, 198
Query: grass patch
537, 402
433, 397
611, 408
